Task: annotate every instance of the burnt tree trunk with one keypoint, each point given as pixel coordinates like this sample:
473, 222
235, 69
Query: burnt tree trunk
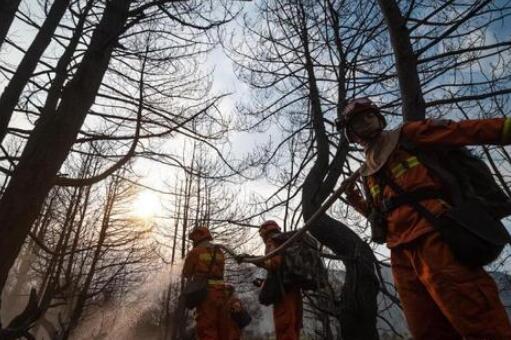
359, 305
64, 62
31, 252
414, 107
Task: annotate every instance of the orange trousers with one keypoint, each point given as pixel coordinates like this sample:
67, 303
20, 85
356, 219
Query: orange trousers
287, 315
213, 319
234, 332
443, 299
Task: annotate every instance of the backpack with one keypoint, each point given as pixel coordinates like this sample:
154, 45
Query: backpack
196, 288
272, 289
472, 226
302, 264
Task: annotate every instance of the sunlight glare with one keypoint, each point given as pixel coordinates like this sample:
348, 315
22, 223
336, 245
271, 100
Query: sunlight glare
147, 205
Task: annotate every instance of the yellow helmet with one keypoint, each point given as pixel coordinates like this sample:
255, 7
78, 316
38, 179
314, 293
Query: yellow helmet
199, 234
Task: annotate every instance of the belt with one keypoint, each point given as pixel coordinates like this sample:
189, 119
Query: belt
418, 195
215, 282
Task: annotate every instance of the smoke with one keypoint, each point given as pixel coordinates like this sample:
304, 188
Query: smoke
133, 313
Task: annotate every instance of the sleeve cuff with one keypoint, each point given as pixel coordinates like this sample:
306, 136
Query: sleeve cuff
506, 131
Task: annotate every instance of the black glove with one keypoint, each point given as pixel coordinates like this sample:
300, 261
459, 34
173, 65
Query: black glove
258, 282
241, 257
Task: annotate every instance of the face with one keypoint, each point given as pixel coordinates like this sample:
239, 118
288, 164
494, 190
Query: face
264, 236
267, 236
365, 126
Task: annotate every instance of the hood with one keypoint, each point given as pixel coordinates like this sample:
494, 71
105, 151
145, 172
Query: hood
204, 243
379, 151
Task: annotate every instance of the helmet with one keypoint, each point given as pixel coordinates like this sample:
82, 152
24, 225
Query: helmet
267, 227
354, 107
199, 234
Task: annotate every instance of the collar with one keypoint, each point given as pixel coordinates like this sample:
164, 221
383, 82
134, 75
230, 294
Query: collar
204, 243
378, 152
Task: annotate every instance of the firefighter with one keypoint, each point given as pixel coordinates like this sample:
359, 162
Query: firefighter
211, 315
441, 297
288, 311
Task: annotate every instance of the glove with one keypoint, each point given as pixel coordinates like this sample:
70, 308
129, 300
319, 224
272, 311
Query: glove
236, 307
258, 282
352, 193
241, 257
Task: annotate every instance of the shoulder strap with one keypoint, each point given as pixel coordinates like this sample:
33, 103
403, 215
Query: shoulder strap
407, 143
436, 165
210, 268
369, 198
381, 181
415, 204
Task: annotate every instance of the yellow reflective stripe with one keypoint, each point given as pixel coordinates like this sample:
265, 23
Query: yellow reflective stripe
215, 282
375, 190
506, 131
205, 257
398, 170
444, 203
412, 161
401, 168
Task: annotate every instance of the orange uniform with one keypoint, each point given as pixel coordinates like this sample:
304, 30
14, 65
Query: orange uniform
442, 299
212, 319
233, 305
288, 312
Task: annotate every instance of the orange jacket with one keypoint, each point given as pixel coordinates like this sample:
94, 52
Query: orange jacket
197, 262
273, 263
404, 223
288, 312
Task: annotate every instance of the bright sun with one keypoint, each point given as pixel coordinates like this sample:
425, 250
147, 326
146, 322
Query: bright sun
147, 205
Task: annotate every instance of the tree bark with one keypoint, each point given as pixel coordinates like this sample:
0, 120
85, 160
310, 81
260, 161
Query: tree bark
31, 252
64, 62
358, 296
414, 107
359, 305
53, 137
